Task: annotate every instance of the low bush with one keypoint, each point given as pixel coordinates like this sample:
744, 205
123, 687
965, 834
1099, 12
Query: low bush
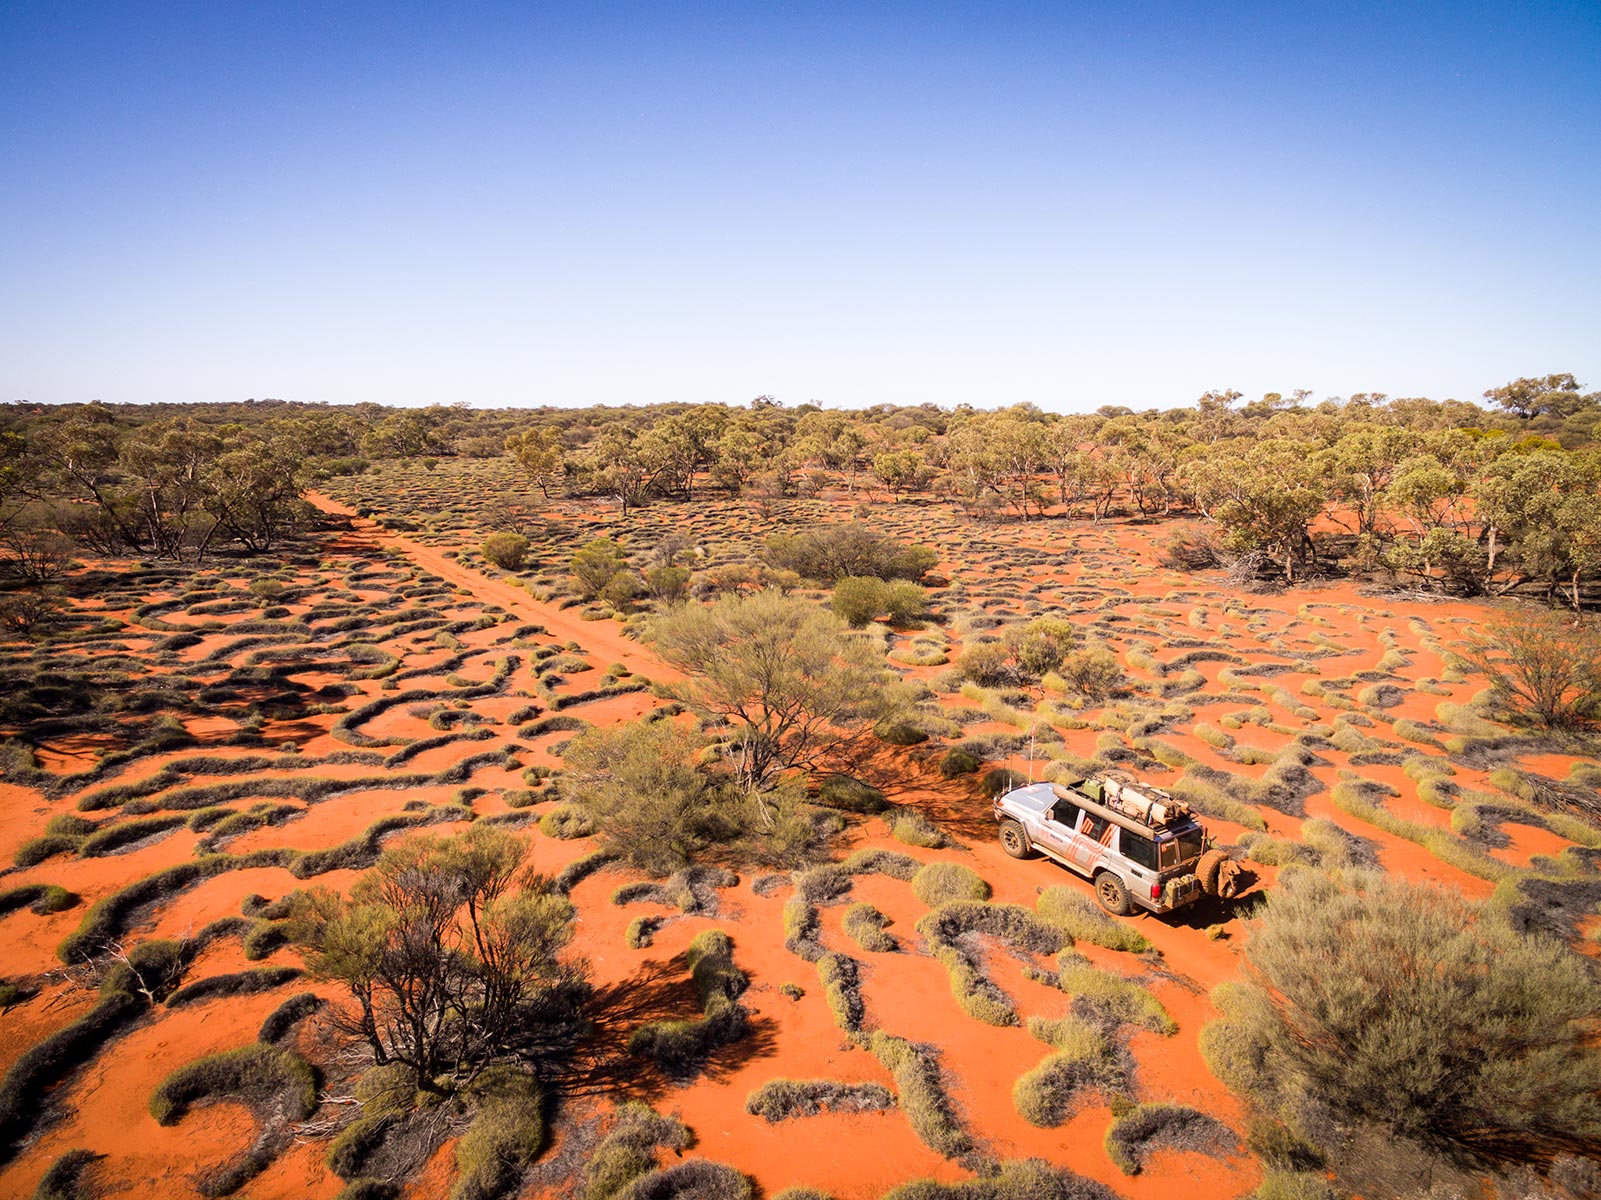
957, 761
628, 1150
899, 733
506, 1136
851, 795
258, 1075
785, 1099
914, 829
65, 1178
921, 1094
842, 987
692, 1179
1491, 1056
941, 882
1018, 1179
508, 551
859, 599
1078, 916
1168, 1126
864, 925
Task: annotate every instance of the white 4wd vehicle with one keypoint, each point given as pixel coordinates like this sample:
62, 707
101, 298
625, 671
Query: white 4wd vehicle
1141, 847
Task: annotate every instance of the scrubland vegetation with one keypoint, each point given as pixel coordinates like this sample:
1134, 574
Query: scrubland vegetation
644, 743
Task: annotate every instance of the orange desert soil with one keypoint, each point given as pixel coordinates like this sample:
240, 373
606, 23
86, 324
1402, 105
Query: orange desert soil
1110, 588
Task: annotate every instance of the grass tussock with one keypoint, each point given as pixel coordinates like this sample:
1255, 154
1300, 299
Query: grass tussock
785, 1099
258, 1075
1081, 919
1018, 1179
948, 932
1110, 997
922, 1095
1086, 1061
629, 1149
505, 1138
865, 926
942, 882
679, 1048
1165, 1126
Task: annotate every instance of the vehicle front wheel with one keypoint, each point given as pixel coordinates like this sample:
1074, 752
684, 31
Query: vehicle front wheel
1014, 840
1114, 898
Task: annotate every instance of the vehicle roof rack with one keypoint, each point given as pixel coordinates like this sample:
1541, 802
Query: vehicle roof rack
1128, 804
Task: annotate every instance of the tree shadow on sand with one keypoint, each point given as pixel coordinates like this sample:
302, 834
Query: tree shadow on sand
658, 991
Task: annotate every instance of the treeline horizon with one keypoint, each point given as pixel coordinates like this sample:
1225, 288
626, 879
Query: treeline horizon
1462, 497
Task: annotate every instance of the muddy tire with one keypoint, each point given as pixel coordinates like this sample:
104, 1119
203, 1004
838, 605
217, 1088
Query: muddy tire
1014, 840
1113, 896
1206, 869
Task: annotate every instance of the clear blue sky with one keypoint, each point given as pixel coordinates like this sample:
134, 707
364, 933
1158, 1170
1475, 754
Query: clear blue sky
590, 202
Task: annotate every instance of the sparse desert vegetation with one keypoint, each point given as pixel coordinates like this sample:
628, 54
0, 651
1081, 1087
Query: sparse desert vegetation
394, 833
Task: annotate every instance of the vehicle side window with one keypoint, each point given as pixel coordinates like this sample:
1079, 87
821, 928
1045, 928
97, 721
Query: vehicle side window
1097, 829
1139, 850
1065, 813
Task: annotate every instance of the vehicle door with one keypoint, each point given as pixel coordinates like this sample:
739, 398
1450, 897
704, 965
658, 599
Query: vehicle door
1055, 831
1094, 837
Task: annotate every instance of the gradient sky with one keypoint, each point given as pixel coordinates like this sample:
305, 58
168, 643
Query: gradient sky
518, 204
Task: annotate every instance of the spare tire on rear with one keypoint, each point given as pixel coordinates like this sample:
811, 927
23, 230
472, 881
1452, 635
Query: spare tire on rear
1207, 868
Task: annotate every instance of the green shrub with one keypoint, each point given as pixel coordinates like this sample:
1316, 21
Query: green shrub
957, 761
1094, 674
941, 882
899, 733
506, 1136
905, 602
1491, 1052
851, 795
859, 599
508, 551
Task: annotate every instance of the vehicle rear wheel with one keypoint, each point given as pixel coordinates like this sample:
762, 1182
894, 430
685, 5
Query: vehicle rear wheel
1114, 898
1206, 869
1014, 840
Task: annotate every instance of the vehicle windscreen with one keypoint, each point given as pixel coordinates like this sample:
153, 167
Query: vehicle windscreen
1183, 848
